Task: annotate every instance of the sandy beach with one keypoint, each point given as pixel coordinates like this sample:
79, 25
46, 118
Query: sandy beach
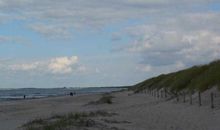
133, 112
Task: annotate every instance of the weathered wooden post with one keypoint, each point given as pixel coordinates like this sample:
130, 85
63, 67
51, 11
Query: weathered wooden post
190, 98
158, 94
177, 97
165, 93
200, 102
212, 100
184, 97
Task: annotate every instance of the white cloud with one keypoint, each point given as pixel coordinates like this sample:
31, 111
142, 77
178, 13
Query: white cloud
176, 33
93, 13
82, 69
176, 41
144, 68
179, 65
63, 64
25, 67
13, 39
52, 31
58, 65
155, 70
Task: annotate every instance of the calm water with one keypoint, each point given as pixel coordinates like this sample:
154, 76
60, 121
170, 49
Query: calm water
31, 93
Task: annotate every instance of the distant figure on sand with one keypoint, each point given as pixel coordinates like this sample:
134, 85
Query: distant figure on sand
72, 93
24, 96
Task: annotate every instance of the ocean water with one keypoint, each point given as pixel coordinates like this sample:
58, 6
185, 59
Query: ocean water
33, 93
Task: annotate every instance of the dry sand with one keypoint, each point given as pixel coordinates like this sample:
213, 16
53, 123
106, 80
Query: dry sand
135, 112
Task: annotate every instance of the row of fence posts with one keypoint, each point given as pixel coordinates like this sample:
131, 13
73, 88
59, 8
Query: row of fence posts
163, 94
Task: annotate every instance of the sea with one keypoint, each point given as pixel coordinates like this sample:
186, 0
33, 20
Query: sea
35, 93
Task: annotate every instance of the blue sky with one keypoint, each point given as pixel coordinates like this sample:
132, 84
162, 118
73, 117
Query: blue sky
84, 43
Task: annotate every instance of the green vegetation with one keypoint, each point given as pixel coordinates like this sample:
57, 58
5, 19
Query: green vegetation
68, 121
197, 78
105, 99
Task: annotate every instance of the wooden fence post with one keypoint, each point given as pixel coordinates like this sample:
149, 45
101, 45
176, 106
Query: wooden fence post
177, 97
191, 98
184, 97
200, 102
212, 100
158, 94
165, 93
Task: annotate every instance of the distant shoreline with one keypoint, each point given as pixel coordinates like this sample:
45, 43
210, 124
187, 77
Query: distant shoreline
38, 93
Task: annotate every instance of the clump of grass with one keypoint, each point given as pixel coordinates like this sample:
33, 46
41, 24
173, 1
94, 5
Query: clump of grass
105, 99
112, 121
101, 113
58, 122
34, 124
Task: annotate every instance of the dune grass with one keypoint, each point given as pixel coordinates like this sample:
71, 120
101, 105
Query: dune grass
68, 121
197, 78
105, 99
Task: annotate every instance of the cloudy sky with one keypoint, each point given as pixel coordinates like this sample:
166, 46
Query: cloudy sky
83, 43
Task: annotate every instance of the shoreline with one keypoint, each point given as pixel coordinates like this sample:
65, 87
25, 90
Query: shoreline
32, 96
46, 97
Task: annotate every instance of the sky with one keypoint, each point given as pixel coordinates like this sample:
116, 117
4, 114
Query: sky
87, 43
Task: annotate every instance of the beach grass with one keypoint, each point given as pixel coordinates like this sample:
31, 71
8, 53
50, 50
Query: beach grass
197, 78
70, 120
105, 99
